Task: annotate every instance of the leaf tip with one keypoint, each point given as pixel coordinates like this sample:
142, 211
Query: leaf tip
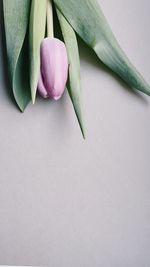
33, 97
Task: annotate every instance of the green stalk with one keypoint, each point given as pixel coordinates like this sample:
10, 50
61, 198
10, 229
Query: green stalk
49, 17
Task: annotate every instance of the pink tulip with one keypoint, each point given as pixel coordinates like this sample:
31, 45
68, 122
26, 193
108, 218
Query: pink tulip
54, 68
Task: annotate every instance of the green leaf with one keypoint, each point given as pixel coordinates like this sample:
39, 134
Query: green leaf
74, 83
16, 14
87, 19
36, 35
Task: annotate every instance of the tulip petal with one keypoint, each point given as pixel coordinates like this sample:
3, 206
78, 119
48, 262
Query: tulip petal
41, 87
54, 66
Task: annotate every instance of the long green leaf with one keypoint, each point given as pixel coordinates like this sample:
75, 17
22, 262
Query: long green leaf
87, 19
74, 83
36, 35
16, 14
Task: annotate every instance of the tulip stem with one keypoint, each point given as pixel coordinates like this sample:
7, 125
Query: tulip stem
50, 30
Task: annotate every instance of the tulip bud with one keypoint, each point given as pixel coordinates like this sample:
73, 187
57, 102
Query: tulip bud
54, 68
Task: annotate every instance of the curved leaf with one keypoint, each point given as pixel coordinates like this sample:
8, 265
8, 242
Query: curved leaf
87, 19
16, 14
36, 35
74, 83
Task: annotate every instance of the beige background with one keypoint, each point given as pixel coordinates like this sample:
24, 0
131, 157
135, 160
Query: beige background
68, 202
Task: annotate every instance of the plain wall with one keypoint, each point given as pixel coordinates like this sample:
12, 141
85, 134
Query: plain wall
69, 202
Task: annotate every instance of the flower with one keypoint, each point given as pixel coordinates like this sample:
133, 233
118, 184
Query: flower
54, 68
